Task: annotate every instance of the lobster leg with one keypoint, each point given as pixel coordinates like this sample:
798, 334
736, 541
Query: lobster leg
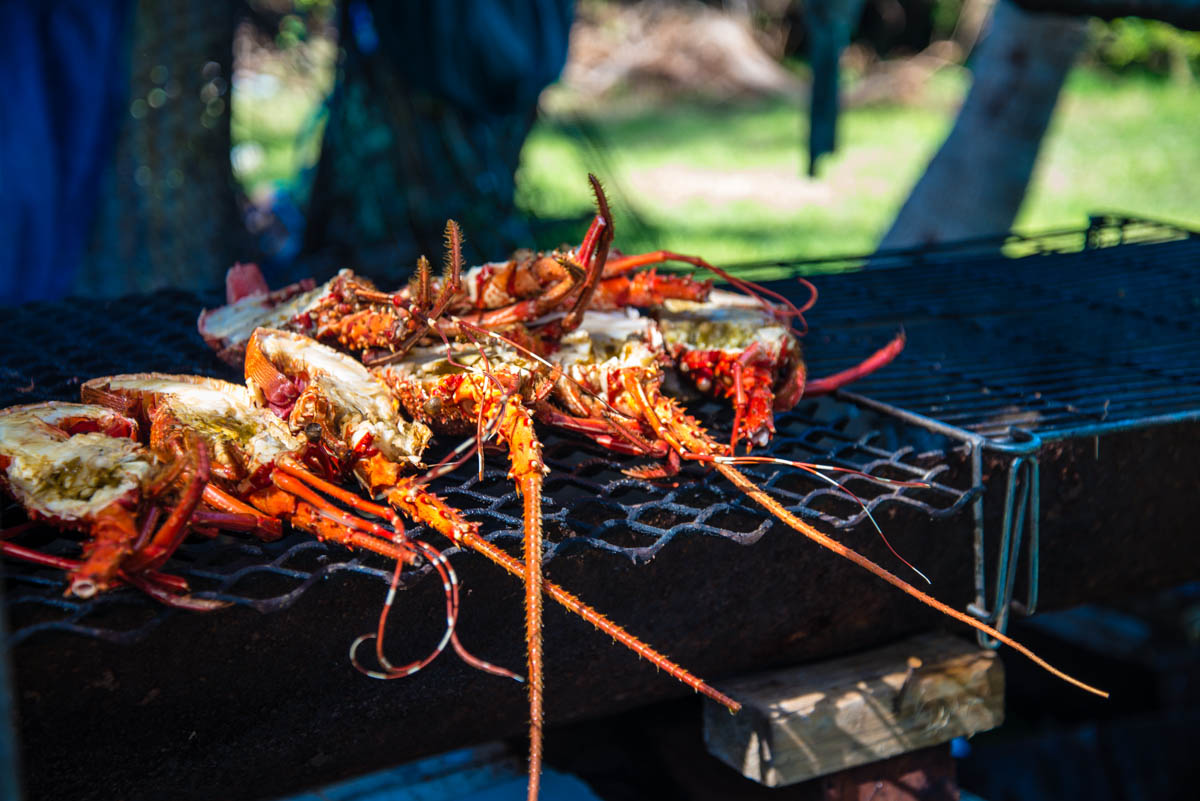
266, 527
623, 264
648, 289
208, 522
881, 357
522, 310
170, 590
605, 433
172, 532
420, 505
409, 497
599, 421
291, 497
740, 398
113, 533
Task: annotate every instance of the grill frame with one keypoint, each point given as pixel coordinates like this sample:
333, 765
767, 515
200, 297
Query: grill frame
661, 593
1034, 270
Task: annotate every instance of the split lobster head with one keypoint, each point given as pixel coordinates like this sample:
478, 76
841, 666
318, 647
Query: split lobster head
79, 467
332, 398
732, 346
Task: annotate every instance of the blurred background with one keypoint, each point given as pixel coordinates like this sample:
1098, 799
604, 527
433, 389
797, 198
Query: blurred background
314, 134
696, 117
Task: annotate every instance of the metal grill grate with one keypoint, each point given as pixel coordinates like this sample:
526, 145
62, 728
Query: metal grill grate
47, 350
1057, 344
1006, 355
990, 350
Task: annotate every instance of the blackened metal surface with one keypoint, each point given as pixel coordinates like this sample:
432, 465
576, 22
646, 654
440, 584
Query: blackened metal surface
1056, 343
49, 349
259, 700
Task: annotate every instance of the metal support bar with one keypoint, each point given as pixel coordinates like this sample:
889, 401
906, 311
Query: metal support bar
1022, 504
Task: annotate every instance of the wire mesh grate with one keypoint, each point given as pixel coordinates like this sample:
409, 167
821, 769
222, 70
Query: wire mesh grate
1048, 343
1053, 343
589, 504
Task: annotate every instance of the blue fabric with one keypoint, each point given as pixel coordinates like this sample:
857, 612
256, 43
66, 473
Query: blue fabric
492, 56
63, 84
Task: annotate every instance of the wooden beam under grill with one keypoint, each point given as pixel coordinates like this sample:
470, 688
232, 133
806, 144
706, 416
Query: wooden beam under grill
810, 721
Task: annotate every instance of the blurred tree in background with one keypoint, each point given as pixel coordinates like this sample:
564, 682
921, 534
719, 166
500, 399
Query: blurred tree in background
624, 55
1147, 45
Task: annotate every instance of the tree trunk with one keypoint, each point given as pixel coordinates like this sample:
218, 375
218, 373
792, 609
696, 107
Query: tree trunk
168, 213
974, 186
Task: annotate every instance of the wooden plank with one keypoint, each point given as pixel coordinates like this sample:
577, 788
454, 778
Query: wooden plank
811, 721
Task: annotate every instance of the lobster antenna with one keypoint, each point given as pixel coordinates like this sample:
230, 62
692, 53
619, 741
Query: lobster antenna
544, 362
778, 510
463, 451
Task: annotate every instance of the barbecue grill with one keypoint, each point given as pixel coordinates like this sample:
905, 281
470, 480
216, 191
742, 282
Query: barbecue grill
1050, 401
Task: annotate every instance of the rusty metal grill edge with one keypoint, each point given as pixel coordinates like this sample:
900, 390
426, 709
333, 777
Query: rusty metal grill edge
968, 391
1025, 341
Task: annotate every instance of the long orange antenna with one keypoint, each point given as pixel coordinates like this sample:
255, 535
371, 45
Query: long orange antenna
687, 442
777, 509
574, 604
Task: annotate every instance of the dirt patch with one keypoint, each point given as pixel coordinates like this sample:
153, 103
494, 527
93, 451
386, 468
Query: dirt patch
676, 185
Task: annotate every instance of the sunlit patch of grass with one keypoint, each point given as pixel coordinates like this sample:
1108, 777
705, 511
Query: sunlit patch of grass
1115, 144
1124, 144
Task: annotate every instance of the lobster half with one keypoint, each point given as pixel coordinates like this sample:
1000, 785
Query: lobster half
79, 467
262, 470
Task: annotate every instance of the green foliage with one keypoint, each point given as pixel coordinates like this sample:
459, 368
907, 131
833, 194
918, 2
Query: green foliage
292, 31
1132, 43
1116, 144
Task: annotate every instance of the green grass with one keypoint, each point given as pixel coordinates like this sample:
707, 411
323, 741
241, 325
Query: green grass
1114, 144
1127, 144
1123, 144
284, 129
